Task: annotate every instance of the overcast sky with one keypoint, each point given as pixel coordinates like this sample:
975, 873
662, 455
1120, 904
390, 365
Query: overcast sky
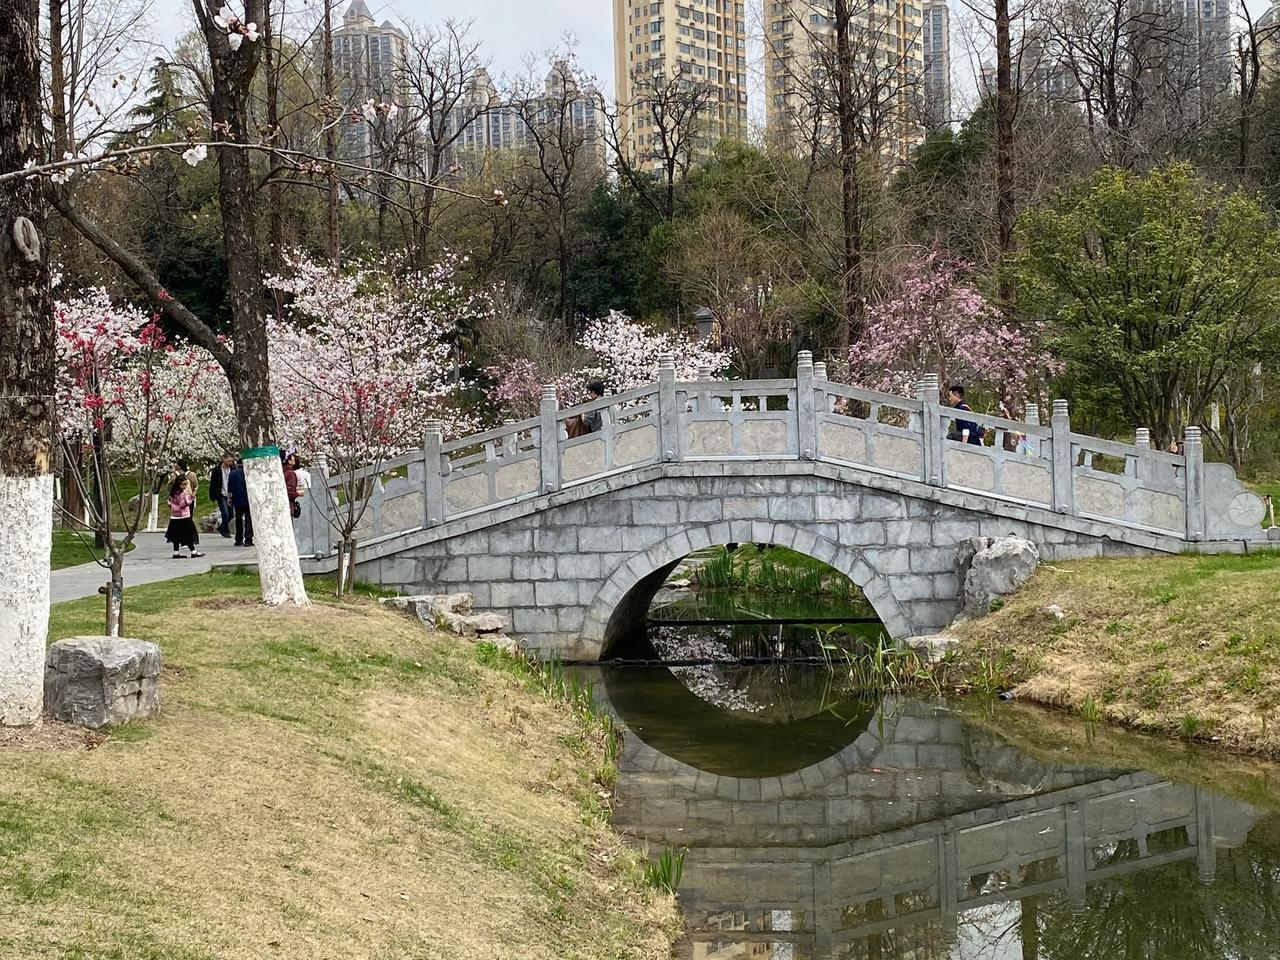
511, 31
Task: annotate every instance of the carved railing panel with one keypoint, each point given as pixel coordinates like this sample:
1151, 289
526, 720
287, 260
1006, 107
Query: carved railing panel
628, 436
730, 420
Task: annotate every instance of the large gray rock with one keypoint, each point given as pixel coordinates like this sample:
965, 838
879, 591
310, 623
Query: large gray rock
451, 612
998, 570
966, 550
95, 681
210, 522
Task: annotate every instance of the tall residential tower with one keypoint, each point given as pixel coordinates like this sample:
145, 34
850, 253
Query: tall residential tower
800, 67
367, 56
701, 43
935, 37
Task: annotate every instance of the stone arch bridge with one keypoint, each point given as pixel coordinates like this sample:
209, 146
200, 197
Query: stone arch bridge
571, 537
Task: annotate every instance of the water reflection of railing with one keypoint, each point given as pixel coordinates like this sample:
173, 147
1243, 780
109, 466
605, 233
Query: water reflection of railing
931, 873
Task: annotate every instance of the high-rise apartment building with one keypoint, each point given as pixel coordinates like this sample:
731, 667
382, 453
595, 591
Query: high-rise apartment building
935, 38
491, 123
886, 47
701, 43
367, 58
1201, 59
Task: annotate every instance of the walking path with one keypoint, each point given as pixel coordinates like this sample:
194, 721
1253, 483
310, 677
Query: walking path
149, 561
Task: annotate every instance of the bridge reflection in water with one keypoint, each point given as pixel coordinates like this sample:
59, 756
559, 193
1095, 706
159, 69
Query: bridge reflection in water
919, 835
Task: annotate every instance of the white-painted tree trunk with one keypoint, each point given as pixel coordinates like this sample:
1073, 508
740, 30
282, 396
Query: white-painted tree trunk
26, 534
153, 514
278, 565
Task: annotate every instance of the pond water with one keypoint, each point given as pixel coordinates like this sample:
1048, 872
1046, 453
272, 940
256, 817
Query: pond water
821, 825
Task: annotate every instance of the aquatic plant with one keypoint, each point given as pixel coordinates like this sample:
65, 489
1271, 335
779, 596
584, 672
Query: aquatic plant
989, 677
777, 571
879, 666
717, 573
666, 872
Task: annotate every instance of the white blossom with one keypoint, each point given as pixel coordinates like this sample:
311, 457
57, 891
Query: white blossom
193, 155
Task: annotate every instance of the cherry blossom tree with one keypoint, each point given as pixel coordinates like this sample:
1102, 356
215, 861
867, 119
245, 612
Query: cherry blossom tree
125, 394
624, 355
361, 365
518, 384
940, 323
627, 352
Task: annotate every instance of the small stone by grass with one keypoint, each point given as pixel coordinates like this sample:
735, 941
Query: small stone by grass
327, 782
1186, 646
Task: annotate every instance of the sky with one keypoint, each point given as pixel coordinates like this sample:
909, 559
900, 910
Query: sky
512, 31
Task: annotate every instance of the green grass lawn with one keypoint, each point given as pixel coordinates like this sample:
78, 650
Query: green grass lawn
1270, 489
70, 549
332, 781
1186, 645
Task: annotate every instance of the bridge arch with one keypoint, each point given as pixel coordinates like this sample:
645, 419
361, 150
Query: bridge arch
628, 590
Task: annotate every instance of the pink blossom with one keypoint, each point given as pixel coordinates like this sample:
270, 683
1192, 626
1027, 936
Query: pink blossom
939, 323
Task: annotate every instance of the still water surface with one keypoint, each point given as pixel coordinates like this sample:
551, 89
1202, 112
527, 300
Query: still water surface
821, 825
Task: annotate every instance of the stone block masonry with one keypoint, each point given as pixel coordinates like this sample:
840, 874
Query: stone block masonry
568, 536
567, 582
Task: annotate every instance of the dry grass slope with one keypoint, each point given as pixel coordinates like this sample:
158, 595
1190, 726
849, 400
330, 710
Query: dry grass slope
324, 783
1187, 646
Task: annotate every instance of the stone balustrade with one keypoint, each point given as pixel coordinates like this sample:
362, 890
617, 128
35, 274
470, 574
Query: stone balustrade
807, 418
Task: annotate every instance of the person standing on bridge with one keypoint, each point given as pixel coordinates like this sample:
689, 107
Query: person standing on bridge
965, 431
593, 421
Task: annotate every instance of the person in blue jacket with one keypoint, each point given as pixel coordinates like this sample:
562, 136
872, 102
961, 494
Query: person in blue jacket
240, 503
966, 431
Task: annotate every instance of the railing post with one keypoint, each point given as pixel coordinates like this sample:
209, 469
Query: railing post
806, 409
313, 525
1193, 452
1031, 416
931, 435
699, 398
1206, 851
1142, 440
668, 412
549, 439
820, 376
432, 478
1063, 466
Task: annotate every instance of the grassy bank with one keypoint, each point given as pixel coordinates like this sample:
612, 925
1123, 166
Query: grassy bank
1184, 646
69, 549
330, 782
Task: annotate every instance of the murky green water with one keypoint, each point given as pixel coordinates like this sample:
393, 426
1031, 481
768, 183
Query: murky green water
819, 825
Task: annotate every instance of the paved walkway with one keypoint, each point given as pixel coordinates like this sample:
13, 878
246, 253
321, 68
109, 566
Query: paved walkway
151, 560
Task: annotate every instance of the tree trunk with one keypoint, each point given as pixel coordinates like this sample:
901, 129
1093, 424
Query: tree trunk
1004, 145
350, 579
275, 192
850, 198
331, 138
26, 377
115, 594
248, 373
57, 81
72, 472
